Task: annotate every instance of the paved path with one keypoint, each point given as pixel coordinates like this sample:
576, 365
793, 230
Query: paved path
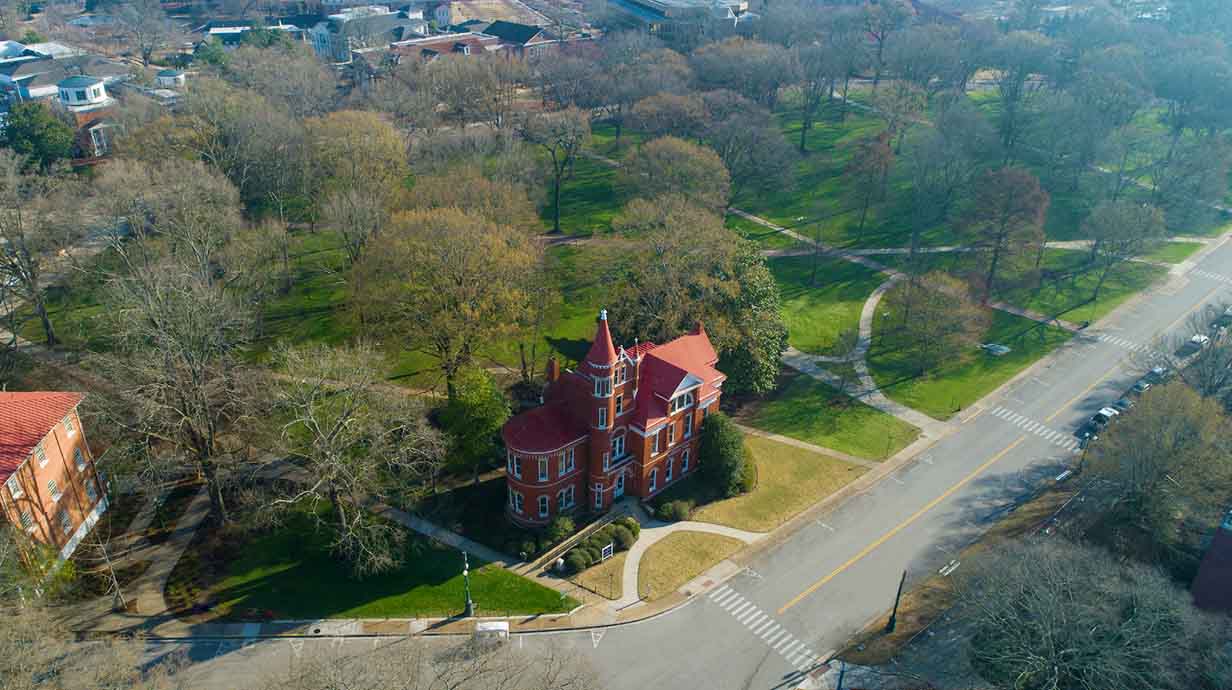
443, 535
654, 532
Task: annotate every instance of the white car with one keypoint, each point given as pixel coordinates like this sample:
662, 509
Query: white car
1201, 340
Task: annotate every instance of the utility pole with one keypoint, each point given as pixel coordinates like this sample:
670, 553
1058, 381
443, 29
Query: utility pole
469, 611
890, 624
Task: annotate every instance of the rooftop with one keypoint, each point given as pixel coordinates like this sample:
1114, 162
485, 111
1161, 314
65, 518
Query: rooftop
25, 419
79, 82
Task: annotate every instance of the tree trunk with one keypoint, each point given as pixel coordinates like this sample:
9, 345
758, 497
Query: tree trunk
218, 504
556, 204
49, 331
846, 87
992, 273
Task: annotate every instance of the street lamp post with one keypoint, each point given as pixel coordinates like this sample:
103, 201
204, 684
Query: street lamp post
469, 611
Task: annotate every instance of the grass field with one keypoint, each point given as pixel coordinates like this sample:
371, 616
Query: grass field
789, 480
1072, 298
810, 411
963, 379
604, 579
292, 574
678, 558
816, 315
763, 236
1173, 252
588, 199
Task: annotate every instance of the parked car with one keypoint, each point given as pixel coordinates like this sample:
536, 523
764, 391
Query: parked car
1123, 404
1200, 340
1104, 416
1086, 433
1140, 387
1158, 375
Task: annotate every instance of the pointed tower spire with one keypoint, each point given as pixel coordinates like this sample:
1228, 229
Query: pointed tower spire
601, 351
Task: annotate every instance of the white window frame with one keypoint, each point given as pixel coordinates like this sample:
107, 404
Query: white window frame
688, 425
519, 502
91, 492
27, 521
545, 506
620, 404
54, 489
66, 522
602, 417
69, 428
654, 443
603, 387
667, 473
671, 434
607, 460
79, 459
654, 479
570, 463
598, 495
40, 455
543, 468
684, 461
618, 447
14, 487
515, 464
570, 497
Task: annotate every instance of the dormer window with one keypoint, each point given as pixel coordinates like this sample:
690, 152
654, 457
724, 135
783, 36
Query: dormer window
681, 402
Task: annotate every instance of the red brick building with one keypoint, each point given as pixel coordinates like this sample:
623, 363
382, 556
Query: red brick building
48, 485
624, 422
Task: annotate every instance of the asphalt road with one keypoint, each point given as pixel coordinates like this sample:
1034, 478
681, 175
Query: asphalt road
805, 597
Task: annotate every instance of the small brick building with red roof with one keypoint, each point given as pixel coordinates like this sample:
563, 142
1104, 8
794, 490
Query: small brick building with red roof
49, 488
624, 422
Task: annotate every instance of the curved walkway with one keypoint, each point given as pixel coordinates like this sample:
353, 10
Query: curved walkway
656, 531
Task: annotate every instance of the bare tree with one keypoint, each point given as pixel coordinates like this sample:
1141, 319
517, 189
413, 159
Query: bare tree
352, 444
147, 26
1050, 615
1005, 220
562, 136
1122, 231
940, 320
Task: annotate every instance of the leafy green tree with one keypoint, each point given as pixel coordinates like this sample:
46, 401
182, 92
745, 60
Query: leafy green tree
210, 52
723, 461
674, 166
473, 417
33, 130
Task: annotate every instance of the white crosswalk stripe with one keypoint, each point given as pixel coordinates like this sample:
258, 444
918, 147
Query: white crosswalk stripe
1122, 342
1038, 428
1212, 276
763, 625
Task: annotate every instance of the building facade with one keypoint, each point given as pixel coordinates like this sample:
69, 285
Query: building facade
49, 487
624, 422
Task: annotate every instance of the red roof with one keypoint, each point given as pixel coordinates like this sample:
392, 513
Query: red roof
25, 420
1212, 588
602, 351
542, 430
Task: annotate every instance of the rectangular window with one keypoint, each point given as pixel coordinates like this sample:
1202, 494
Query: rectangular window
27, 521
14, 487
654, 479
603, 387
543, 506
91, 492
66, 524
79, 459
68, 425
654, 443
688, 425
560, 500
54, 490
543, 469
671, 433
560, 465
517, 503
684, 461
598, 495
40, 455
607, 460
569, 460
705, 411
667, 475
509, 463
517, 467
602, 417
620, 407
618, 447
81, 94
624, 373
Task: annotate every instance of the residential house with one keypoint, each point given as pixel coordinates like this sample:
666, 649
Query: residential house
624, 422
170, 79
87, 101
229, 33
431, 47
1212, 588
36, 76
522, 40
361, 28
49, 487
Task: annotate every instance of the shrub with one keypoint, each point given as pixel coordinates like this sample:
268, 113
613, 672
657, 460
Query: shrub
623, 537
722, 455
632, 525
560, 529
597, 542
584, 555
674, 511
528, 547
575, 562
748, 479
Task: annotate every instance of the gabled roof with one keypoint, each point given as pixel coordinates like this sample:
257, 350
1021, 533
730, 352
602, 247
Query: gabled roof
25, 420
512, 32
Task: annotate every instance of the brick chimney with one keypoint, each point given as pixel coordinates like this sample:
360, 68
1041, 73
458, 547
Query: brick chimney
552, 372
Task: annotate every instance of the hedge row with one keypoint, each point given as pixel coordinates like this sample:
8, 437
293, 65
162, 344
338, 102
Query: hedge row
620, 533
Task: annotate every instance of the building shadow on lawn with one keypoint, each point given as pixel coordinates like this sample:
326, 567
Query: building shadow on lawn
574, 349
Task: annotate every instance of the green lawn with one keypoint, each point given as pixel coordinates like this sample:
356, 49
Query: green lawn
681, 556
603, 139
789, 480
815, 316
965, 379
292, 574
810, 411
1173, 252
1071, 298
588, 199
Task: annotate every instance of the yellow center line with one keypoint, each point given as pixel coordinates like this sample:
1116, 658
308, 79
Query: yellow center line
901, 526
1113, 369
